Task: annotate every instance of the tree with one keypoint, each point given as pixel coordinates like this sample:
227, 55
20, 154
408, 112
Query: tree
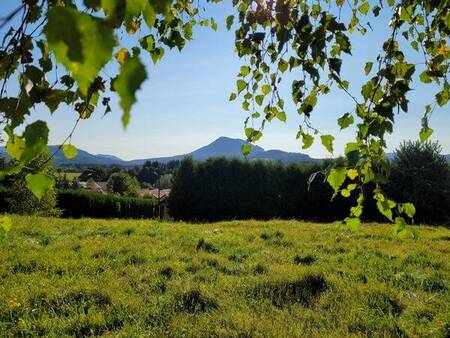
272, 37
421, 174
98, 174
181, 199
148, 174
123, 184
21, 200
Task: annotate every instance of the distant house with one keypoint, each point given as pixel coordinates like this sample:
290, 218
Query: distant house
162, 193
98, 187
101, 188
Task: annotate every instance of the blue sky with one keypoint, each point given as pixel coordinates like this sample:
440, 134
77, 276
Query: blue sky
184, 103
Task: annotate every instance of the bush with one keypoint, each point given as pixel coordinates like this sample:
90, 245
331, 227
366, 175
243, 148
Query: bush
123, 184
420, 174
20, 200
3, 194
75, 203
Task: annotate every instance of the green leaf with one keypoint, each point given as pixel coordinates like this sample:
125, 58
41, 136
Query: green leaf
157, 54
36, 138
345, 120
259, 99
336, 178
246, 149
368, 67
385, 206
241, 85
245, 70
345, 193
425, 134
409, 209
81, 42
443, 96
15, 147
34, 73
149, 14
39, 184
424, 77
400, 230
307, 141
69, 151
352, 174
233, 96
281, 115
364, 8
230, 20
327, 142
214, 25
266, 89
283, 66
132, 75
14, 109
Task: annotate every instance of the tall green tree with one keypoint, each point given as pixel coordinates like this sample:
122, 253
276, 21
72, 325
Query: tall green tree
421, 174
123, 184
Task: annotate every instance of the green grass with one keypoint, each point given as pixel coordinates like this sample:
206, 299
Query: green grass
233, 279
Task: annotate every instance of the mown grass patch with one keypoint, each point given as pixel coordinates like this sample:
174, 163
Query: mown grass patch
231, 279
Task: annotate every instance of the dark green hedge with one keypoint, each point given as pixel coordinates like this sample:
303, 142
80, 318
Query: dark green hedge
3, 204
222, 189
77, 203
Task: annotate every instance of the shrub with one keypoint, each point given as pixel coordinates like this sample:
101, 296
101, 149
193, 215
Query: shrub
20, 200
123, 184
76, 203
420, 174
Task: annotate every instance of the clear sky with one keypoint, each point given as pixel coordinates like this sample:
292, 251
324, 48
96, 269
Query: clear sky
184, 103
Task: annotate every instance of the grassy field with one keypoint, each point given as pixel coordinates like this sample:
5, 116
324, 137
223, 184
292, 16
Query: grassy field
233, 279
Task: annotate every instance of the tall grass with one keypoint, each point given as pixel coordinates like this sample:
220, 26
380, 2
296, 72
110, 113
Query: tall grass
234, 279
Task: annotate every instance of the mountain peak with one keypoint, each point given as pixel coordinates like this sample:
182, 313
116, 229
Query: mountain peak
222, 147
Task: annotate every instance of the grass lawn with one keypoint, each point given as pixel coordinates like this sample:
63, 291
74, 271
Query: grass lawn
232, 279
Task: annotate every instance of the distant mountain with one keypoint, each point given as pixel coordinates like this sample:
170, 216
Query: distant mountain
232, 148
109, 157
222, 147
83, 157
278, 155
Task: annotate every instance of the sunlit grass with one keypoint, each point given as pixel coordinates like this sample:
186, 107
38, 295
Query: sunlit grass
232, 279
